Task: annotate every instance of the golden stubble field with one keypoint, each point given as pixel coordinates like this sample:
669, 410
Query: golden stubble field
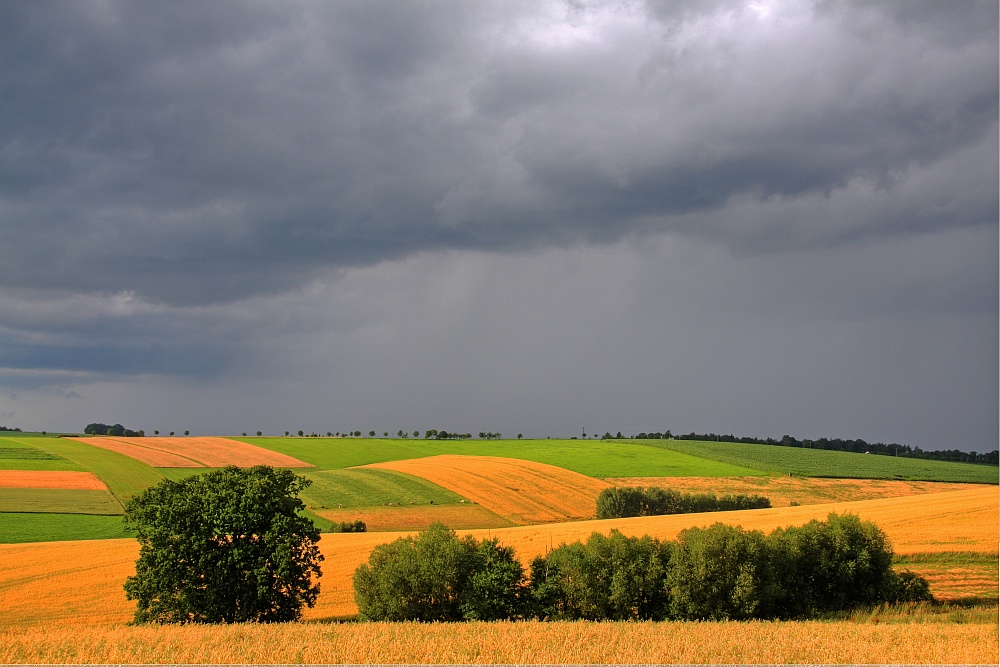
525, 492
782, 491
81, 582
193, 452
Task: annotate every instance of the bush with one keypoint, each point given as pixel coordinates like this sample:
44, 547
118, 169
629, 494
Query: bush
607, 578
436, 576
620, 502
226, 546
721, 573
836, 564
358, 526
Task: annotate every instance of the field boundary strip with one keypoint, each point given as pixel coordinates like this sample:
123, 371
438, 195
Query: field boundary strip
189, 452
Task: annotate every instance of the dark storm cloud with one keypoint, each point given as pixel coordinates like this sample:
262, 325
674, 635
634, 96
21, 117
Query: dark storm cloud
194, 153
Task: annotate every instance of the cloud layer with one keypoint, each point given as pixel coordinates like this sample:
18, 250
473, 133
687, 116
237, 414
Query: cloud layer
190, 192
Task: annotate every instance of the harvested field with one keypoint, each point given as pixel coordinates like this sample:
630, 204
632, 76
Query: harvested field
188, 452
82, 581
403, 518
149, 455
522, 491
838, 642
955, 576
50, 479
784, 490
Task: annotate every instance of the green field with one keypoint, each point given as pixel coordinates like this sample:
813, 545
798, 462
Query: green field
824, 463
29, 527
64, 501
370, 487
594, 458
19, 455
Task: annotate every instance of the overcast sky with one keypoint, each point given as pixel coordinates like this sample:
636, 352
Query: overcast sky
755, 218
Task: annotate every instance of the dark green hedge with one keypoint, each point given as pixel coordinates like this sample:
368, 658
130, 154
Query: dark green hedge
719, 572
620, 502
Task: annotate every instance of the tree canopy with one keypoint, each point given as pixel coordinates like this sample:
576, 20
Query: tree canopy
226, 546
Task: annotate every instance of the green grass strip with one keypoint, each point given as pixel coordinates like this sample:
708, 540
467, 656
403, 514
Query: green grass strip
17, 528
594, 458
65, 501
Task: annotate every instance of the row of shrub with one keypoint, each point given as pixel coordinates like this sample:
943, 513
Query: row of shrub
620, 502
720, 572
357, 526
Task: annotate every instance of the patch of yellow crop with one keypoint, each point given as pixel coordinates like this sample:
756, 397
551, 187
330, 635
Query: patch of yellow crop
50, 479
74, 582
842, 642
66, 582
405, 517
190, 452
523, 491
782, 491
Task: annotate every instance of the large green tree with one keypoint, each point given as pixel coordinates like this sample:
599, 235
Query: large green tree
226, 546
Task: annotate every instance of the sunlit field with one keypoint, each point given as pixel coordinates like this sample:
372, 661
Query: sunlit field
785, 490
836, 642
525, 492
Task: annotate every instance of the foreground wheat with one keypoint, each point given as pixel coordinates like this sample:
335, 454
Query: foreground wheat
524, 642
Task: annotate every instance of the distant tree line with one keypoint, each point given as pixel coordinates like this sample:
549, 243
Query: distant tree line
116, 430
621, 502
716, 573
12, 430
435, 434
834, 444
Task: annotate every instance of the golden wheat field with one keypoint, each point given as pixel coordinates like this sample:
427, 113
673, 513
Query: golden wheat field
51, 479
522, 491
785, 490
82, 581
840, 642
187, 452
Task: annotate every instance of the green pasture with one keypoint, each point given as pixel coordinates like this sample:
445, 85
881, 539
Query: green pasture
370, 487
825, 463
594, 458
18, 527
64, 501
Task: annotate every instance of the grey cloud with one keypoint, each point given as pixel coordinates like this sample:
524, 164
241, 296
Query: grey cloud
199, 154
